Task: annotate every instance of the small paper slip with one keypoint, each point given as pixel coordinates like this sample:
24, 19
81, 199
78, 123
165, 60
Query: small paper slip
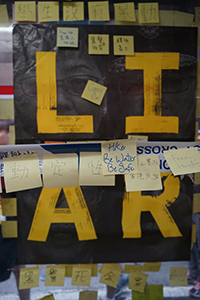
110, 274
178, 276
183, 161
9, 207
4, 20
67, 37
134, 268
125, 12
22, 172
142, 138
123, 45
60, 170
119, 157
88, 295
48, 11
29, 278
25, 11
90, 170
98, 44
98, 11
73, 11
9, 229
148, 12
137, 281
81, 275
151, 267
55, 276
151, 292
148, 176
94, 92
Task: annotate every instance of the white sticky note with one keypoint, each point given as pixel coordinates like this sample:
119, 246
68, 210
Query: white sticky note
90, 171
60, 170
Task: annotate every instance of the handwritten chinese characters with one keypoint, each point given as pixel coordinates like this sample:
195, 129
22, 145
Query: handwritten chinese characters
55, 276
137, 281
29, 278
119, 157
73, 11
81, 275
25, 11
148, 12
94, 92
48, 11
99, 11
110, 274
123, 45
125, 12
98, 44
67, 37
178, 276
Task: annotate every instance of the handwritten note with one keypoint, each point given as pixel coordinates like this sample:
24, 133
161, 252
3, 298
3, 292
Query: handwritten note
151, 267
60, 170
22, 172
99, 11
94, 92
125, 12
148, 12
25, 11
73, 11
151, 292
55, 276
137, 281
196, 203
88, 295
148, 176
183, 161
48, 297
119, 157
9, 229
4, 19
94, 268
98, 44
67, 37
178, 276
48, 11
123, 45
81, 275
110, 274
141, 138
134, 268
9, 207
90, 170
29, 278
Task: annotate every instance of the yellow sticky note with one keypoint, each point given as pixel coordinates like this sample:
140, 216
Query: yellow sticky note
94, 268
90, 170
48, 297
139, 138
48, 11
4, 20
197, 15
0, 187
198, 107
67, 37
68, 269
151, 292
178, 276
60, 170
88, 295
197, 178
109, 265
29, 278
137, 281
148, 12
98, 11
110, 275
22, 172
119, 157
7, 107
194, 233
55, 276
9, 207
196, 203
94, 92
134, 268
98, 44
9, 229
12, 134
151, 267
81, 275
183, 161
125, 12
123, 45
73, 11
148, 176
166, 17
183, 19
25, 11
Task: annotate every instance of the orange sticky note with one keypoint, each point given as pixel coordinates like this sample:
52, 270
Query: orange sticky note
178, 276
94, 92
25, 11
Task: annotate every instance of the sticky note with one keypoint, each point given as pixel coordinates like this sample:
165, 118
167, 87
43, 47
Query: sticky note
7, 108
197, 178
148, 12
90, 170
9, 229
198, 107
194, 233
125, 12
98, 44
48, 11
68, 269
60, 170
73, 11
123, 45
119, 157
94, 268
98, 11
48, 297
81, 276
148, 176
22, 172
55, 276
94, 92
4, 19
183, 19
67, 37
29, 278
151, 292
196, 203
9, 207
88, 295
178, 276
141, 138
12, 134
134, 268
183, 161
166, 17
137, 281
197, 15
110, 265
0, 185
25, 11
151, 267
110, 274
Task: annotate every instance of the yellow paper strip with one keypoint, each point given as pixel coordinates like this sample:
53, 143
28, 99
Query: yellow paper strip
9, 207
29, 278
9, 229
